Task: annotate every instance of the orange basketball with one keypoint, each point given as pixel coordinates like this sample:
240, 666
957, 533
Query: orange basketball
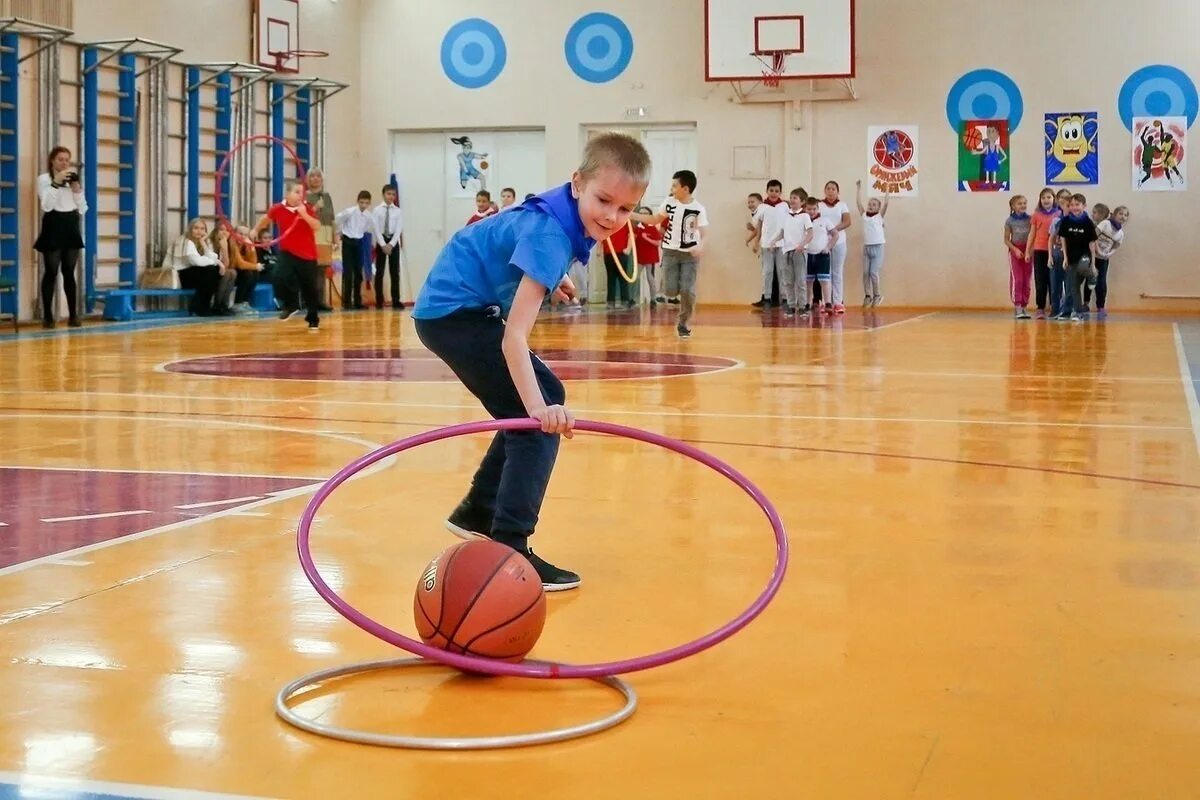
481, 599
973, 139
483, 165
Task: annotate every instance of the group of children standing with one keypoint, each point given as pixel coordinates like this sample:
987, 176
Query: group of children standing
802, 245
1065, 251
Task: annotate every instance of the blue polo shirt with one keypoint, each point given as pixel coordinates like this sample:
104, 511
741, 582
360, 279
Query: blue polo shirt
482, 264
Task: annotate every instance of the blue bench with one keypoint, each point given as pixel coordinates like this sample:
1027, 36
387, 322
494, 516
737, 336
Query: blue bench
263, 297
119, 306
118, 303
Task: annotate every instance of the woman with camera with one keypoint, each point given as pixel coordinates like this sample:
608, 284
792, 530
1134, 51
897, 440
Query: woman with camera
60, 238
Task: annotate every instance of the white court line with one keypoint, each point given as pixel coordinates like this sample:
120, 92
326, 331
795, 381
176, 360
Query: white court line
901, 322
67, 562
402, 359
225, 502
1189, 385
98, 516
298, 491
597, 412
39, 784
785, 369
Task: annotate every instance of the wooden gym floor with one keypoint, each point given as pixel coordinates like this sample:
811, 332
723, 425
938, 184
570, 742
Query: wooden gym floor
994, 593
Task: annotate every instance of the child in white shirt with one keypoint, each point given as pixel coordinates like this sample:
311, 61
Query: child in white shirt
352, 224
797, 233
1110, 234
390, 223
824, 238
873, 241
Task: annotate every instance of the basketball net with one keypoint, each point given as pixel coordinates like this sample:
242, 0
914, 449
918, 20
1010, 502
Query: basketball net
282, 57
774, 70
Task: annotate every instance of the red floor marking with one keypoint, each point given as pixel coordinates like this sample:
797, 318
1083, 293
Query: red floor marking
28, 496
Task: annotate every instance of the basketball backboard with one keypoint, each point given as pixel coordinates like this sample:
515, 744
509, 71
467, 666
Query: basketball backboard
805, 38
276, 28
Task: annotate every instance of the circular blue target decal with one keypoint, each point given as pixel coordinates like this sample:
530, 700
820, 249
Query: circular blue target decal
598, 47
473, 53
1158, 91
984, 94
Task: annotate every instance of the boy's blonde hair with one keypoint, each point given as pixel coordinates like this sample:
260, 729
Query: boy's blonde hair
616, 150
1101, 211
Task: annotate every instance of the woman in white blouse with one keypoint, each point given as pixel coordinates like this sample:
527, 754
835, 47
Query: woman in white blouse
60, 238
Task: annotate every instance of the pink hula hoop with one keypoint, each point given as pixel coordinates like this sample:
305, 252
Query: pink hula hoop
222, 219
530, 668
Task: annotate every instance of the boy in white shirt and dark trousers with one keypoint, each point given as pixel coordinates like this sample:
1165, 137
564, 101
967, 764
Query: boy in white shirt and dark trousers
389, 223
354, 223
797, 233
682, 244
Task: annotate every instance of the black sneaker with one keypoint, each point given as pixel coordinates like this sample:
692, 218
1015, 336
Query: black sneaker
683, 331
470, 522
288, 313
761, 304
553, 578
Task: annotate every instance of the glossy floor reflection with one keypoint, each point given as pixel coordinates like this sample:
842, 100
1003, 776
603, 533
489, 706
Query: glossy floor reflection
994, 587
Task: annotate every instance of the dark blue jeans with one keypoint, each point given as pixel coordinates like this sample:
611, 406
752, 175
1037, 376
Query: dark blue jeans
512, 478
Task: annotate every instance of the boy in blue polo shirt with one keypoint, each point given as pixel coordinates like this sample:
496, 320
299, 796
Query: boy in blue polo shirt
476, 311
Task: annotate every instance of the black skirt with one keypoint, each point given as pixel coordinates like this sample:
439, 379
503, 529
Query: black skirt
60, 231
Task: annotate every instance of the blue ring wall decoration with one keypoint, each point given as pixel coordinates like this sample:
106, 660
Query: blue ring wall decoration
473, 53
598, 47
984, 94
1158, 90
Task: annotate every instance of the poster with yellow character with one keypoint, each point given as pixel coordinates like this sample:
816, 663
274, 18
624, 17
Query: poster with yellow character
1072, 149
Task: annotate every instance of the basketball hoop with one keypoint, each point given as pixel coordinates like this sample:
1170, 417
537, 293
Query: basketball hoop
284, 56
773, 63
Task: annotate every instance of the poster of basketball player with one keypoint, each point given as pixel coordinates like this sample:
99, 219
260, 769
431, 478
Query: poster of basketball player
892, 159
1160, 154
983, 164
469, 164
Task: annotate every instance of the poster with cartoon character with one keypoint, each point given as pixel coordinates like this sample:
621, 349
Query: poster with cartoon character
1160, 154
983, 164
1072, 149
469, 165
892, 159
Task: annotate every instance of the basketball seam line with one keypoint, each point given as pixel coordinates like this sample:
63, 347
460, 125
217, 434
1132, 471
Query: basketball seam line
425, 614
474, 600
442, 596
524, 611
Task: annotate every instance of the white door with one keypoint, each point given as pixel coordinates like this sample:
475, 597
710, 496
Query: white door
417, 161
671, 150
435, 202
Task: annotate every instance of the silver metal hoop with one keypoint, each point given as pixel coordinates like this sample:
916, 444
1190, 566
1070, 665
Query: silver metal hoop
287, 693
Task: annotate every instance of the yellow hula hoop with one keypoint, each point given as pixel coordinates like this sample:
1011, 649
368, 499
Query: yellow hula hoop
617, 259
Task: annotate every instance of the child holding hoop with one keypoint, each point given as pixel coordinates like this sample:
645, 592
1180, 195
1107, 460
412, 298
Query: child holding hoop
477, 309
296, 268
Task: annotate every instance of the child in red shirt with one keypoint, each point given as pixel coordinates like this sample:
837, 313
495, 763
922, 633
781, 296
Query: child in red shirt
483, 207
618, 246
296, 267
647, 239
